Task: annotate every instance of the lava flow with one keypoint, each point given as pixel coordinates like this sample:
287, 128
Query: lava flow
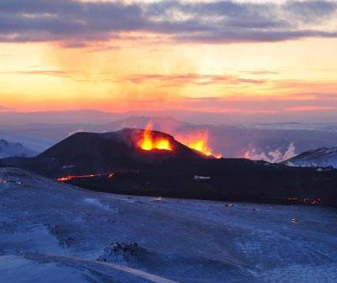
305, 200
149, 142
69, 178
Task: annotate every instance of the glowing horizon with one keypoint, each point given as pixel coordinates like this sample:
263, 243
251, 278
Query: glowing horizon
164, 58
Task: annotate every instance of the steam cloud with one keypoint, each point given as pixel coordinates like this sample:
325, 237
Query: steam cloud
272, 156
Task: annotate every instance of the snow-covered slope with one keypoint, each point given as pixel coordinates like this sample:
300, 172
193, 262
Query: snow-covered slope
9, 149
51, 232
321, 157
36, 144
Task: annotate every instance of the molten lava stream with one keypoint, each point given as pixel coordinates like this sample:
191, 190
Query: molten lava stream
69, 178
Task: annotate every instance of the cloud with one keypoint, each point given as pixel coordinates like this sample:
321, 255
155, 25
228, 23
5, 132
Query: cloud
248, 35
261, 72
309, 108
311, 11
5, 109
52, 73
291, 104
77, 23
272, 156
191, 79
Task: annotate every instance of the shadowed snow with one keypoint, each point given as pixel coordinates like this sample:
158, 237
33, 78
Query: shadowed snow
51, 231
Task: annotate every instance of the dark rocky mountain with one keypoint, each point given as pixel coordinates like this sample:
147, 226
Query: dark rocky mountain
92, 153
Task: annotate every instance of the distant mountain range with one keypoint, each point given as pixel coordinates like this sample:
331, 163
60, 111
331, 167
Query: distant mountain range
90, 116
321, 157
9, 149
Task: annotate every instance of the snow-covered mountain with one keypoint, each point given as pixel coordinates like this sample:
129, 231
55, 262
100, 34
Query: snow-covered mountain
9, 149
32, 141
52, 232
321, 157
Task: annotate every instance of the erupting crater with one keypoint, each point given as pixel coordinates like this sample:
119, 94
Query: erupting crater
195, 141
149, 142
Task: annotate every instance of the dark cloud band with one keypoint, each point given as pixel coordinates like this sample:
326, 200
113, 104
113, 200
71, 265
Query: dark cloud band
210, 22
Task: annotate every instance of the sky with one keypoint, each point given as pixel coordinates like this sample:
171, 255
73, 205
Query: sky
262, 57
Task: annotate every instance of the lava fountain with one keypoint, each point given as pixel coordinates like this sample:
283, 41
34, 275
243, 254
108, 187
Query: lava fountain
150, 142
198, 141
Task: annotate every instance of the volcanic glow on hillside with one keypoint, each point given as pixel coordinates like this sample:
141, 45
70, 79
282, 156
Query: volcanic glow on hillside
148, 142
200, 145
199, 142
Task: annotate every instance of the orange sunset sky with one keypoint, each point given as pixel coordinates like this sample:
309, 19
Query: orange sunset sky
213, 56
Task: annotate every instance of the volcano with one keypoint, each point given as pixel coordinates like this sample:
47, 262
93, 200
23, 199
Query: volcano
95, 153
143, 162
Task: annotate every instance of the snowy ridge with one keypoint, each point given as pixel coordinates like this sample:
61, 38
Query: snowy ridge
321, 157
37, 144
9, 149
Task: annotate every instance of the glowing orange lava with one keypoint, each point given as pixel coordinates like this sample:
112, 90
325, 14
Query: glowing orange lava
69, 178
200, 145
149, 142
199, 142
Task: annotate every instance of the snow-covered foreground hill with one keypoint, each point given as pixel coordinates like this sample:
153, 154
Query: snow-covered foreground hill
51, 232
